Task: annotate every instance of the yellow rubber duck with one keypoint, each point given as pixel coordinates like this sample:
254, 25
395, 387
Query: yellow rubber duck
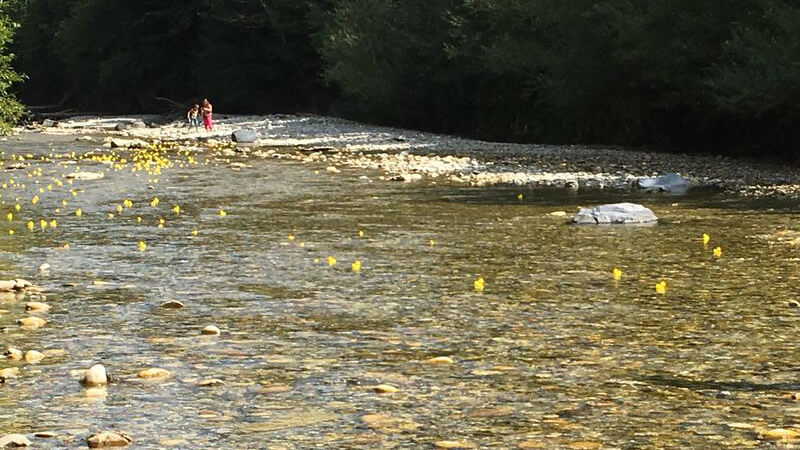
617, 274
356, 266
331, 261
479, 284
661, 287
78, 212
717, 252
142, 246
706, 239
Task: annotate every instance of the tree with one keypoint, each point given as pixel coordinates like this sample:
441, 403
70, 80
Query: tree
10, 109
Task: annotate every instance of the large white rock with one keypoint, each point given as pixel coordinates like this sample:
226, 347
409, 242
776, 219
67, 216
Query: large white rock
616, 213
95, 376
671, 182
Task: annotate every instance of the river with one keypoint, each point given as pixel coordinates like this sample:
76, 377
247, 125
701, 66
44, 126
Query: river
552, 353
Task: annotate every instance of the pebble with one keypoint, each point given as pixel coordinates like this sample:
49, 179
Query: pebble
32, 323
172, 304
95, 376
332, 169
452, 444
32, 356
14, 440
154, 373
385, 389
45, 434
440, 360
10, 372
36, 306
210, 382
109, 439
779, 434
13, 354
274, 389
211, 330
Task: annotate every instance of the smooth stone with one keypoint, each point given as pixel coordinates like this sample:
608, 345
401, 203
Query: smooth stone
172, 304
244, 136
32, 322
616, 213
558, 213
13, 354
10, 372
45, 434
32, 356
671, 182
452, 444
332, 169
154, 373
440, 360
21, 284
85, 176
779, 434
275, 389
211, 330
109, 439
385, 389
37, 306
7, 285
95, 376
211, 382
14, 440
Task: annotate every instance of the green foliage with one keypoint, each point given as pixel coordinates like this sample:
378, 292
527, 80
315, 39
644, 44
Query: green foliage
678, 73
10, 109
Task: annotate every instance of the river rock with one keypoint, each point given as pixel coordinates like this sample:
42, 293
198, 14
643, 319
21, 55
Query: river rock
21, 284
14, 440
95, 376
127, 143
616, 213
32, 323
154, 373
48, 123
440, 360
385, 389
211, 330
172, 304
109, 439
85, 176
10, 372
671, 182
13, 354
32, 356
7, 285
130, 125
244, 136
211, 382
36, 306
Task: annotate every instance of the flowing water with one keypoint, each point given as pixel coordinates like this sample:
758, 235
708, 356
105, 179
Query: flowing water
553, 353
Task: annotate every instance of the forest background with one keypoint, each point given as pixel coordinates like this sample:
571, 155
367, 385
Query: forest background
683, 75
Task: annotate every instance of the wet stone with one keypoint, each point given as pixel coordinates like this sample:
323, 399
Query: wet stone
210, 330
14, 440
210, 382
109, 439
95, 376
172, 304
154, 373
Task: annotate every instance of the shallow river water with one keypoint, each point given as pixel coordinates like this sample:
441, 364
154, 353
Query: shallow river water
553, 353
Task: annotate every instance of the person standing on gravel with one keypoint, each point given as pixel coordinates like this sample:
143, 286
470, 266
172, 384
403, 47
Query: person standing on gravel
192, 116
208, 122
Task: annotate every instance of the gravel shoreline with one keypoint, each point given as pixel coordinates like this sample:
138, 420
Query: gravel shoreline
407, 155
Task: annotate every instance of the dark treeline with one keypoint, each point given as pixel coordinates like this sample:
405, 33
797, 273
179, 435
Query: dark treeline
676, 73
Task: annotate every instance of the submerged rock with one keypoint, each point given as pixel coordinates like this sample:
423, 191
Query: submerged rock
154, 373
14, 440
616, 213
671, 182
32, 323
211, 330
95, 376
109, 439
85, 176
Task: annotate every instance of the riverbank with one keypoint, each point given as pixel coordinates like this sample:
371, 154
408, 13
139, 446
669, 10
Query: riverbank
406, 155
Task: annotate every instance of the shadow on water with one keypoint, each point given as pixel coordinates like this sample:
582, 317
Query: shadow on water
704, 385
702, 198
